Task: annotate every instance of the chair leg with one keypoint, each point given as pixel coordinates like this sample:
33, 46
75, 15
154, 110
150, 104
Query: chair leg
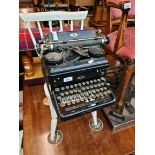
95, 123
122, 88
55, 136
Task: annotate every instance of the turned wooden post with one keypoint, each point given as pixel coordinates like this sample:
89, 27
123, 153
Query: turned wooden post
122, 88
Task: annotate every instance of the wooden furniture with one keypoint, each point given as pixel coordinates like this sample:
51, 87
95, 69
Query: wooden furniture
122, 50
114, 16
78, 139
100, 16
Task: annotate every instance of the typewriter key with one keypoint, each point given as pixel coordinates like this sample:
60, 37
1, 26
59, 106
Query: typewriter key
98, 80
66, 93
109, 91
67, 87
73, 101
103, 79
79, 91
95, 80
108, 84
101, 89
62, 88
62, 104
62, 94
105, 93
83, 83
99, 85
57, 89
93, 91
87, 87
71, 92
71, 86
81, 99
59, 97
75, 85
83, 88
75, 91
91, 81
95, 86
105, 88
91, 87
97, 90
87, 82
68, 102
101, 94
79, 84
102, 84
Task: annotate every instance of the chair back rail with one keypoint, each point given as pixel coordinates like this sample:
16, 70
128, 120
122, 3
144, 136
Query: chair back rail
60, 16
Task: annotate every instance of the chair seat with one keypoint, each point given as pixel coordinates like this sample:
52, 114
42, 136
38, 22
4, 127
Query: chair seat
128, 50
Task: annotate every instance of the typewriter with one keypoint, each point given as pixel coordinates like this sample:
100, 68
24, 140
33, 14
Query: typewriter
74, 68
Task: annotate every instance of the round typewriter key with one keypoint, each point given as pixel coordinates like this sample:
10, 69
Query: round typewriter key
71, 92
62, 104
87, 87
99, 85
57, 89
95, 86
98, 80
59, 97
101, 89
67, 87
87, 82
81, 99
62, 94
108, 84
109, 91
93, 91
83, 83
105, 88
91, 87
79, 90
101, 94
68, 102
95, 80
66, 93
75, 85
71, 86
102, 84
62, 88
75, 91
103, 79
91, 81
83, 88
97, 90
105, 93
79, 84
73, 101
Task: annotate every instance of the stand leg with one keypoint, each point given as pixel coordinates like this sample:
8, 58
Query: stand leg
95, 124
94, 115
55, 136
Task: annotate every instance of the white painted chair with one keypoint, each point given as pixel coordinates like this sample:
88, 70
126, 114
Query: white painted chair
50, 17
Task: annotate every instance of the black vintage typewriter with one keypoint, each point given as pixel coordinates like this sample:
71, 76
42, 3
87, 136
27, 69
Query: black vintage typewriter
74, 67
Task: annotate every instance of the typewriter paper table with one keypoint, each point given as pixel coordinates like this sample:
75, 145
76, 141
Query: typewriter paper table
78, 138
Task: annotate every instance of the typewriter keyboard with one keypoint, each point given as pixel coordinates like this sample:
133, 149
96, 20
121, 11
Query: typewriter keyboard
83, 96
